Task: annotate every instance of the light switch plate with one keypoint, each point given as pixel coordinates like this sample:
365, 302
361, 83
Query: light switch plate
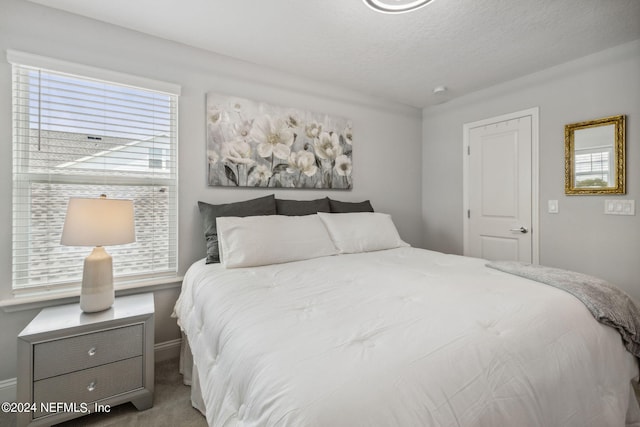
620, 207
552, 206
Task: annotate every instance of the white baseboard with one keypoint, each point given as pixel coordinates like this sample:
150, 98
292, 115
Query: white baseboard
8, 390
162, 351
167, 350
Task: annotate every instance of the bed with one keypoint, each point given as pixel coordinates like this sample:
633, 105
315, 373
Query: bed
395, 337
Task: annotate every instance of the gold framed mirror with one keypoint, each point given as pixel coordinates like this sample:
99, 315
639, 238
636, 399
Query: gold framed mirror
594, 158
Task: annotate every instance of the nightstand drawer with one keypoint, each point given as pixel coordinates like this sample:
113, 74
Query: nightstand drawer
85, 351
90, 385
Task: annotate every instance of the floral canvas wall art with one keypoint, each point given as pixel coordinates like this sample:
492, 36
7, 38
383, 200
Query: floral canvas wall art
255, 144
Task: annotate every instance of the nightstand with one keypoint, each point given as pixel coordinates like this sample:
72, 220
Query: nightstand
71, 363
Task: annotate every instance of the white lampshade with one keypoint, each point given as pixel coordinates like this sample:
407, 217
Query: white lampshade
98, 222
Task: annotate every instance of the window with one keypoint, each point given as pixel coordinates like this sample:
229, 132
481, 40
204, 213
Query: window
593, 167
81, 132
155, 157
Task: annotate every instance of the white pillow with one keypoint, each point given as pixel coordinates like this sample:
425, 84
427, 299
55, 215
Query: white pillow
362, 231
272, 239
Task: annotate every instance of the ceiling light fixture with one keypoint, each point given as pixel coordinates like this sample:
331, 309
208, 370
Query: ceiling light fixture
439, 90
395, 6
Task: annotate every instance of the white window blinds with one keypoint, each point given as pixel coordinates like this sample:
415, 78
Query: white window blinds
77, 136
593, 167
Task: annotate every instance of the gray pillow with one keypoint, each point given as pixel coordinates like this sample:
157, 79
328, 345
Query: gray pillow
302, 207
260, 206
346, 207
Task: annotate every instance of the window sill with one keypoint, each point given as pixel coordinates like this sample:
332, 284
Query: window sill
51, 298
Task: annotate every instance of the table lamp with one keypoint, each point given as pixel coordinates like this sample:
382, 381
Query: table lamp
98, 222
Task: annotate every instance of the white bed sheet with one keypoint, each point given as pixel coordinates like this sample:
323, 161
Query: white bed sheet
401, 337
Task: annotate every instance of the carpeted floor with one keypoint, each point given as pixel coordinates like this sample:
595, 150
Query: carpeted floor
171, 406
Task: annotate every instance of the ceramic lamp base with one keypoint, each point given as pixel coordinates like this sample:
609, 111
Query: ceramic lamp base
97, 281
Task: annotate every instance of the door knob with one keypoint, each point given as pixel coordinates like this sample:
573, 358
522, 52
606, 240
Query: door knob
523, 230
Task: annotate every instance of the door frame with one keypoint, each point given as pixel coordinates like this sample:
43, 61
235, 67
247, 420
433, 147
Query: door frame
466, 128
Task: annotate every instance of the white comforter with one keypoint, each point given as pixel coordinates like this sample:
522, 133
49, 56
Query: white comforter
402, 337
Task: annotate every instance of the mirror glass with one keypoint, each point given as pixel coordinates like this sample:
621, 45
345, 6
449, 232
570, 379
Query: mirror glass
594, 156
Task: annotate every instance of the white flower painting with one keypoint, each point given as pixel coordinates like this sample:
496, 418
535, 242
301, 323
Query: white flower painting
254, 144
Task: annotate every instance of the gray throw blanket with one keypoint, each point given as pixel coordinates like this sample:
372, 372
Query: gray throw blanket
607, 303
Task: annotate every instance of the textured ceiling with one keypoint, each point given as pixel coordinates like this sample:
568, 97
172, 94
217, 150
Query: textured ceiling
464, 45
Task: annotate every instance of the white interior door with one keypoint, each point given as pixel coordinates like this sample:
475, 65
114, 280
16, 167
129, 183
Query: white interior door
499, 217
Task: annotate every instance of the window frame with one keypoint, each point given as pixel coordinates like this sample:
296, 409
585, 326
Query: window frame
21, 182
592, 152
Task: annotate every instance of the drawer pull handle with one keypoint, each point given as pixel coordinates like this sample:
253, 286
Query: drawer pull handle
92, 351
91, 386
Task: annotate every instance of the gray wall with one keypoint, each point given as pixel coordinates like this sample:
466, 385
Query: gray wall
387, 149
580, 237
